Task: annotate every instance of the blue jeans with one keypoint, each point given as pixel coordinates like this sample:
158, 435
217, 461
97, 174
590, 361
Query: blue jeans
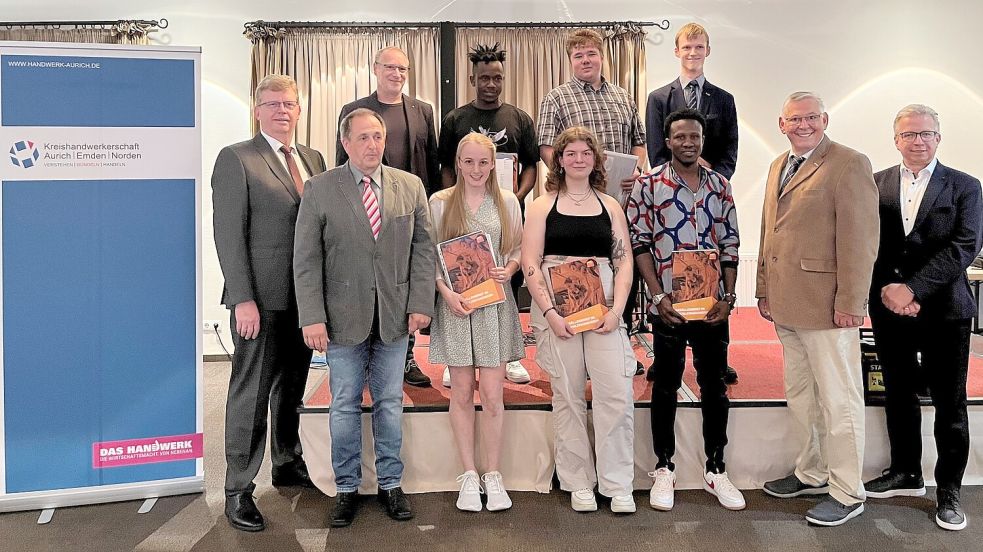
350, 366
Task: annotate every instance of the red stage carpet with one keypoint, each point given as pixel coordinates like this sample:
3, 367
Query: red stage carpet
755, 353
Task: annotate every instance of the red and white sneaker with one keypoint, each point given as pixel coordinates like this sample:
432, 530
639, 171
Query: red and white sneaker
719, 485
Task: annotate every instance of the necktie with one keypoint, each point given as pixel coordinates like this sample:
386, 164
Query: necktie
692, 94
371, 207
294, 171
794, 165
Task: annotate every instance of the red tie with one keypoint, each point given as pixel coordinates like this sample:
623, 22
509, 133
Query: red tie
371, 207
294, 171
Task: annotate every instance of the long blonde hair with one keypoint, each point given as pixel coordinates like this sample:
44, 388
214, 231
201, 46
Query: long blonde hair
456, 215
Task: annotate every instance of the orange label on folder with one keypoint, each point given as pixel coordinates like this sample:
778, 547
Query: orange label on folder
486, 293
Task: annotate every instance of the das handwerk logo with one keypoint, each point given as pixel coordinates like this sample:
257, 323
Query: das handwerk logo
24, 154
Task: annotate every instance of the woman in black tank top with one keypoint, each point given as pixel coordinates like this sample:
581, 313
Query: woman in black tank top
575, 220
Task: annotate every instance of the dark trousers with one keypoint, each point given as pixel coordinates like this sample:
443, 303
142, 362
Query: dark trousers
631, 303
944, 348
268, 373
709, 344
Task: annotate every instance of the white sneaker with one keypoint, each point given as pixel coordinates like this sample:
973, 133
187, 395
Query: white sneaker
583, 500
446, 380
516, 372
469, 498
624, 504
719, 485
661, 496
498, 499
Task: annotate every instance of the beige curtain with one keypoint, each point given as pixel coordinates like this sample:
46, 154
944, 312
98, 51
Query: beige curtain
333, 66
537, 61
123, 32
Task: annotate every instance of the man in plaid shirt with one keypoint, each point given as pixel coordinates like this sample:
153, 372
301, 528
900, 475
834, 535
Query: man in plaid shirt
682, 205
590, 101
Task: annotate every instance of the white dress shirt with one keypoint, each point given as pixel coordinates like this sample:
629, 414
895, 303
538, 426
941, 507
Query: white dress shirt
912, 190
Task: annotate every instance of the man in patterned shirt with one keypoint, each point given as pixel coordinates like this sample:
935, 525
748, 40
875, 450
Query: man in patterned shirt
605, 108
682, 205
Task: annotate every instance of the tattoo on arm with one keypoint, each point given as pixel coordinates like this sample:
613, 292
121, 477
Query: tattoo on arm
530, 271
617, 253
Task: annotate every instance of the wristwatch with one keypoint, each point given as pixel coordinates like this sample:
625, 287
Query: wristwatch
658, 297
730, 298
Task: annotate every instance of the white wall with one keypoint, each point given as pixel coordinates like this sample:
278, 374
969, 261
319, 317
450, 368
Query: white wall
867, 59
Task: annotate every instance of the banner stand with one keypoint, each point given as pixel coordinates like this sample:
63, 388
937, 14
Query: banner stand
101, 376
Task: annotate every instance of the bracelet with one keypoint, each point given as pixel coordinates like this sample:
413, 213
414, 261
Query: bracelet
545, 312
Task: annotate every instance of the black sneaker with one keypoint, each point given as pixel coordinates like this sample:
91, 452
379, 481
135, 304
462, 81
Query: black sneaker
791, 487
892, 483
831, 512
948, 513
730, 376
412, 375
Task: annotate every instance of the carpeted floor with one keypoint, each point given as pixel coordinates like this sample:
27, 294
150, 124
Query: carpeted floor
297, 520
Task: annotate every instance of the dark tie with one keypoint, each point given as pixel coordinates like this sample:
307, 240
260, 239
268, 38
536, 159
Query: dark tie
294, 171
692, 94
793, 166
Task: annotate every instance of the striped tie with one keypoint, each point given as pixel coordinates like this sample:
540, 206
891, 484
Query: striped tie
371, 207
793, 167
692, 94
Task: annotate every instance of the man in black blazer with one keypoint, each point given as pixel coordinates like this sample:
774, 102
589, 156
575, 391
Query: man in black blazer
920, 302
691, 89
411, 144
256, 190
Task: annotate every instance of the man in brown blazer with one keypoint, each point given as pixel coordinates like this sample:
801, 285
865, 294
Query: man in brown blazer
256, 189
819, 229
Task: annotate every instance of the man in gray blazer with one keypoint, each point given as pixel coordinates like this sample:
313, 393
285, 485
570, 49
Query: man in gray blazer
364, 271
256, 189
411, 144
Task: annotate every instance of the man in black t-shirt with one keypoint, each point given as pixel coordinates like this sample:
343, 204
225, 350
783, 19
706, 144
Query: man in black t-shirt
510, 128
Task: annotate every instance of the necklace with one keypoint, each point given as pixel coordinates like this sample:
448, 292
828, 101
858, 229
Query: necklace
578, 199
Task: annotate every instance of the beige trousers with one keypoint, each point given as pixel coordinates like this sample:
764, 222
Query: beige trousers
609, 360
824, 390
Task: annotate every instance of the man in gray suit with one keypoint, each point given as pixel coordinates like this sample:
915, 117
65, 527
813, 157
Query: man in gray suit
364, 271
411, 144
256, 189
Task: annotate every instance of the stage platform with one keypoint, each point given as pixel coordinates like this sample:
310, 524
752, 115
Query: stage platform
762, 445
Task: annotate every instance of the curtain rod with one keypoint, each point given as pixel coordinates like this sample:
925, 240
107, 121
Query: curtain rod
664, 24
162, 23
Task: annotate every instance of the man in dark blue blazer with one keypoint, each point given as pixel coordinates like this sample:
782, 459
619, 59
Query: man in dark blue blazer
921, 302
691, 89
716, 104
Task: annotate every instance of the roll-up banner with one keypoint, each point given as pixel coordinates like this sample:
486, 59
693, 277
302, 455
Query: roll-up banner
100, 274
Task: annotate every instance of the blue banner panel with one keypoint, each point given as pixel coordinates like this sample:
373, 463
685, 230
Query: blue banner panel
71, 91
99, 331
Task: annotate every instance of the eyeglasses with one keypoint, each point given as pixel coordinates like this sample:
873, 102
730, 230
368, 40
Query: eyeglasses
925, 134
803, 119
401, 69
289, 106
